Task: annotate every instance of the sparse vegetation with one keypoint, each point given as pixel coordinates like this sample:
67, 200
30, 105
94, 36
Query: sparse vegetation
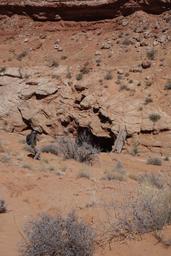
108, 76
2, 150
84, 174
64, 57
21, 55
151, 179
134, 149
154, 117
26, 166
123, 87
154, 161
52, 62
166, 158
160, 237
79, 76
148, 100
168, 85
149, 210
98, 62
116, 173
126, 41
52, 236
71, 149
114, 176
5, 158
2, 206
151, 52
2, 69
68, 74
85, 69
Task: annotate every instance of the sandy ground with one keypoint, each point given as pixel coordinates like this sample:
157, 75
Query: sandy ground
54, 185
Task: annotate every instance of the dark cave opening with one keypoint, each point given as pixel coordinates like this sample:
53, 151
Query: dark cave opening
104, 144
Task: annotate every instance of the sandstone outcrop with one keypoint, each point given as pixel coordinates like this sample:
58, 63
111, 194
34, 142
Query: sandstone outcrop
110, 78
53, 108
80, 9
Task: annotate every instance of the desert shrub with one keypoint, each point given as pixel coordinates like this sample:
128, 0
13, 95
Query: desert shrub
64, 57
85, 69
134, 149
168, 85
71, 149
114, 176
154, 161
148, 100
26, 166
123, 87
154, 117
84, 174
149, 210
68, 75
50, 236
126, 41
166, 158
108, 76
116, 173
5, 158
21, 55
161, 238
152, 179
79, 76
2, 69
84, 137
151, 52
2, 206
51, 148
54, 63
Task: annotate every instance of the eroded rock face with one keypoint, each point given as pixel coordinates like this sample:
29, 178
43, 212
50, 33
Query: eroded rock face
80, 9
114, 92
52, 106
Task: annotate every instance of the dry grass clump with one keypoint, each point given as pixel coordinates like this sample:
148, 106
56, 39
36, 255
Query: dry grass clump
79, 76
50, 236
68, 74
21, 55
154, 117
5, 158
161, 238
84, 174
151, 179
154, 161
70, 149
2, 206
116, 173
108, 76
85, 69
134, 149
149, 210
168, 85
151, 53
